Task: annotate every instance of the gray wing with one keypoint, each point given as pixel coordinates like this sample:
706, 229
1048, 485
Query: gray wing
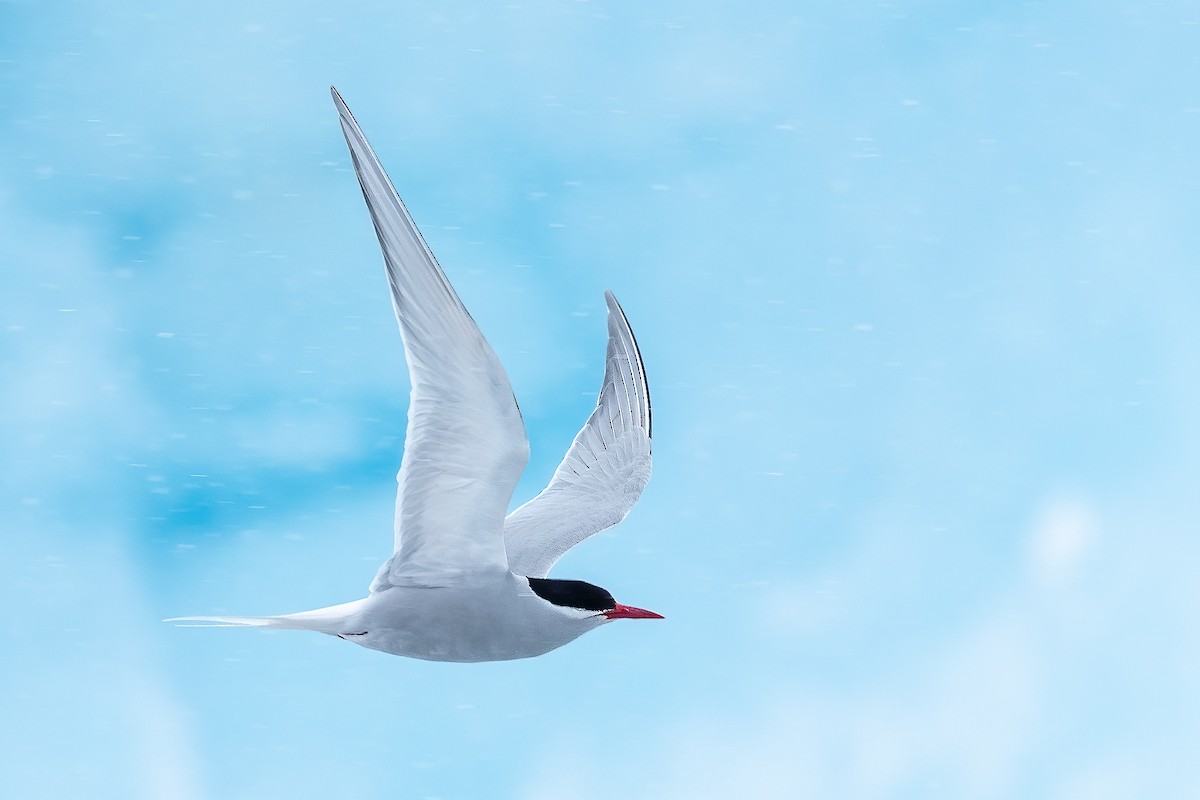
465, 446
603, 473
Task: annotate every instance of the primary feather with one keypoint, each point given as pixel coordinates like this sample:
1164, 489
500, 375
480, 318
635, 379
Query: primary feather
604, 471
465, 447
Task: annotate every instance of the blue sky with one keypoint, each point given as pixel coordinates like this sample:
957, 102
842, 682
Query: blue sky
915, 285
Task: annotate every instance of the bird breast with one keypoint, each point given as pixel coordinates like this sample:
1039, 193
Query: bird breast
482, 618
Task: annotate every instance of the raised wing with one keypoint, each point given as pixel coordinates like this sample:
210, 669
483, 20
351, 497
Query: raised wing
465, 447
603, 473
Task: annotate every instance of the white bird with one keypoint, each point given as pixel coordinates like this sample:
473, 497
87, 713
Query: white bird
465, 582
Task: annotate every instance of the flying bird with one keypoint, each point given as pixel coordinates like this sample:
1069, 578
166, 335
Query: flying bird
465, 582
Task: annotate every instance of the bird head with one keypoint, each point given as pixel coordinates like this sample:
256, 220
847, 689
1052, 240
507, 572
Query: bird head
587, 600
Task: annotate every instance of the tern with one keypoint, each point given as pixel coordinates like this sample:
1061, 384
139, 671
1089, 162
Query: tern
465, 582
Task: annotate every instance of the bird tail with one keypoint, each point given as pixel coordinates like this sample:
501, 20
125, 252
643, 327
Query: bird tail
228, 622
332, 619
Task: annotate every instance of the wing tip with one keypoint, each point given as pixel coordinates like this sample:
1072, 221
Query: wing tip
353, 133
617, 313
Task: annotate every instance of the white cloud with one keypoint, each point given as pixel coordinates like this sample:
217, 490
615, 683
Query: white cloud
89, 706
1062, 536
1044, 693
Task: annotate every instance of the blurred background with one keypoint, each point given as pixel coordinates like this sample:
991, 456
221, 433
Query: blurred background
916, 288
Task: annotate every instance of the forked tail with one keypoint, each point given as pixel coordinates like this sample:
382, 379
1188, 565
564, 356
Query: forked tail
229, 622
332, 620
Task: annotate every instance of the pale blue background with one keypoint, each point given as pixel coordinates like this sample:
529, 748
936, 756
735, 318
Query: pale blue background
916, 285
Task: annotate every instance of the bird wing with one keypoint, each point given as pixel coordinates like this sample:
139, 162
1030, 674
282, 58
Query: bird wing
604, 471
465, 446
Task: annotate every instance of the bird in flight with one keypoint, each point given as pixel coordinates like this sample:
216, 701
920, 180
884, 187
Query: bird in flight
465, 582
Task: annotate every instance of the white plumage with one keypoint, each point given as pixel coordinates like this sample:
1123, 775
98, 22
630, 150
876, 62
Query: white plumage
457, 586
603, 473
